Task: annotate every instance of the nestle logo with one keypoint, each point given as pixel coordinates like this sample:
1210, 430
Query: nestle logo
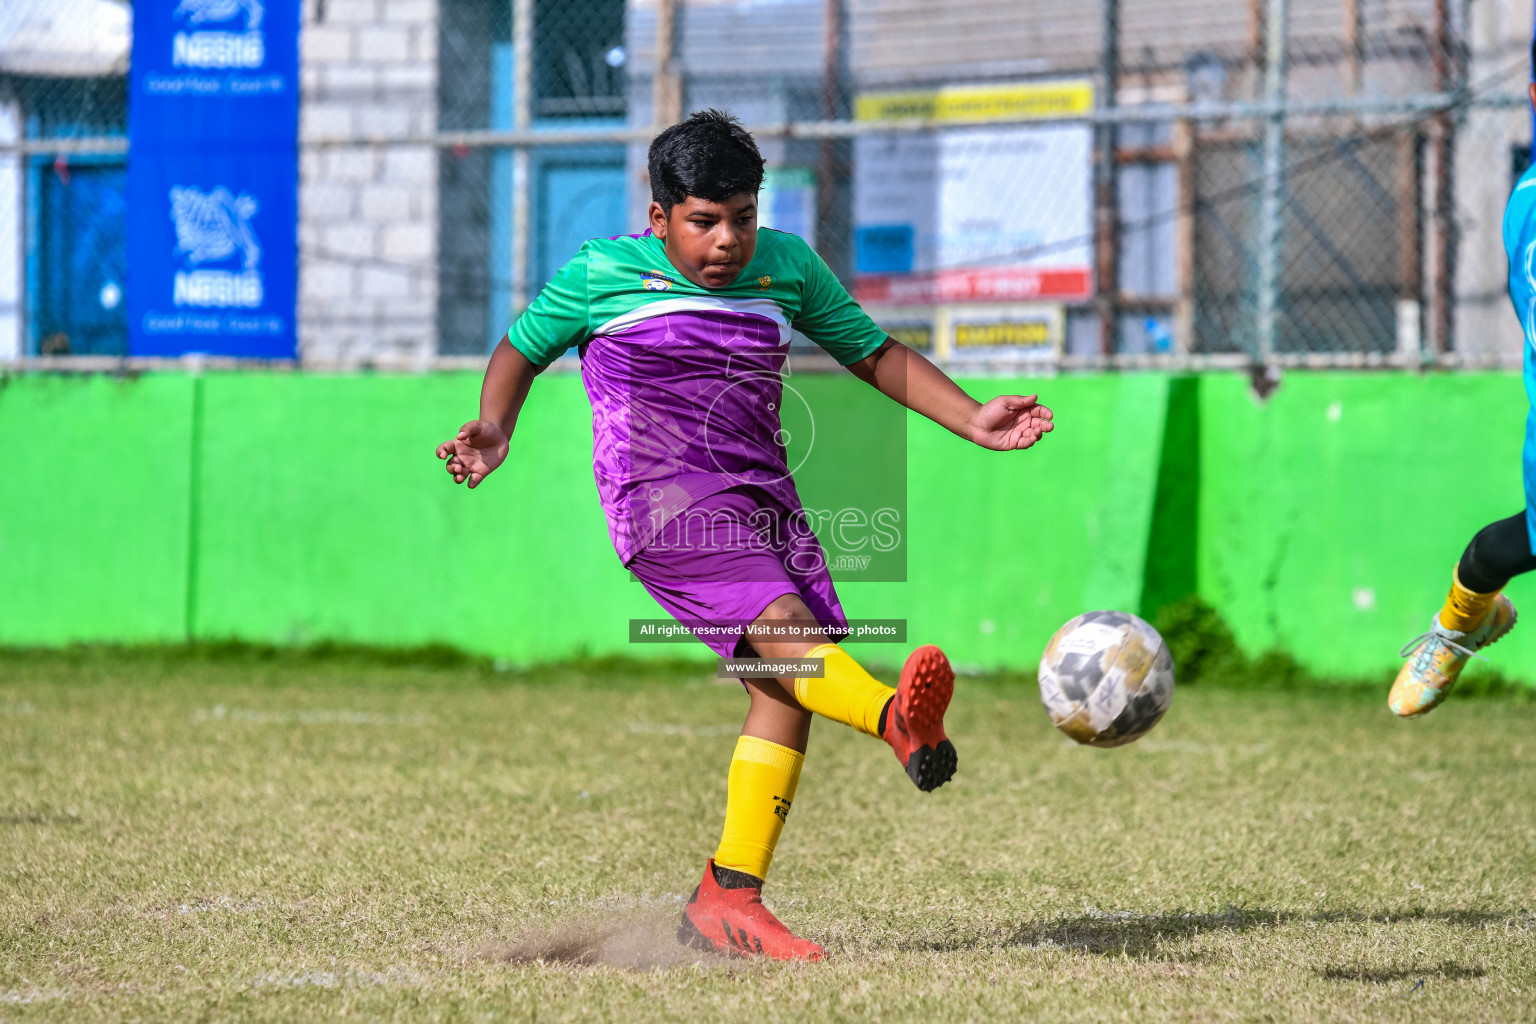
215, 227
218, 50
217, 288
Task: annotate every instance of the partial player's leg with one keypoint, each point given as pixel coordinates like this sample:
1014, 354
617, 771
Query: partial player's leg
910, 718
1476, 614
1500, 552
726, 911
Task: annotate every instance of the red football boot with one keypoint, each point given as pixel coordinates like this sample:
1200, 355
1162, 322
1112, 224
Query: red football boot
914, 720
735, 921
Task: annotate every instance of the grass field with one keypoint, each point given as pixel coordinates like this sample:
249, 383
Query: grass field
235, 840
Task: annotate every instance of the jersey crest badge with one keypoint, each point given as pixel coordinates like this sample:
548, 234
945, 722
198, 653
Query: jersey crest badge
654, 281
765, 282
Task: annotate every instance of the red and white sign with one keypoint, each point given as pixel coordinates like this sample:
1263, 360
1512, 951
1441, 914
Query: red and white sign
994, 284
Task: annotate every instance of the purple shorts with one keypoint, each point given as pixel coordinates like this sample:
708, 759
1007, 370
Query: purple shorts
718, 565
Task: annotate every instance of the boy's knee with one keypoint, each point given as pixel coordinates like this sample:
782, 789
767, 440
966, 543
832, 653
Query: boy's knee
787, 608
778, 693
786, 628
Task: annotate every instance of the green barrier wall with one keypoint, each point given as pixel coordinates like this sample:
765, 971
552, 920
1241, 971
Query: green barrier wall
1005, 547
291, 508
94, 507
323, 514
1332, 515
326, 515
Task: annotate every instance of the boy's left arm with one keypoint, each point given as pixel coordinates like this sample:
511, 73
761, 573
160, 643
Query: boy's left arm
1006, 423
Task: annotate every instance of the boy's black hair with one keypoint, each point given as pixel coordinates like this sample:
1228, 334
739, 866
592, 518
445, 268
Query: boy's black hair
709, 156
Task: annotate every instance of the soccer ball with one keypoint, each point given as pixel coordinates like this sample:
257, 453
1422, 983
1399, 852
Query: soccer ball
1106, 678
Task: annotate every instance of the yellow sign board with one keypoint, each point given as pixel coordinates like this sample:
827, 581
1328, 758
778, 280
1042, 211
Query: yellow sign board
1021, 101
1019, 334
1031, 331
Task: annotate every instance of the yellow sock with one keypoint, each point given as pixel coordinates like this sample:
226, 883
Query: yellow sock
762, 785
846, 694
1465, 610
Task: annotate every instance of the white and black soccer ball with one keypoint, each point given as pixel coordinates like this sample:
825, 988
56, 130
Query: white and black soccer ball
1106, 678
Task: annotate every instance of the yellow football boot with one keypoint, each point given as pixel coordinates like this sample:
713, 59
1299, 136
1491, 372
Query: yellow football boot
1436, 658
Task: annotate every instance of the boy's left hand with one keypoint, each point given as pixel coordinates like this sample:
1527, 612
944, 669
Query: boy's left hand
1010, 422
475, 453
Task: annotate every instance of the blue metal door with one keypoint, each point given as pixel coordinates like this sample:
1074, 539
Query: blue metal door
79, 259
579, 199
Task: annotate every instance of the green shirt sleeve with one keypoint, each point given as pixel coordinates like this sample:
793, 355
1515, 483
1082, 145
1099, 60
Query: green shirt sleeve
557, 318
830, 317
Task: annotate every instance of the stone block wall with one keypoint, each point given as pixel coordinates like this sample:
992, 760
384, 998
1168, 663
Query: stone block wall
368, 213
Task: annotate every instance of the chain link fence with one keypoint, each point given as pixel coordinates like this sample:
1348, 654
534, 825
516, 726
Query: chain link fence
1005, 183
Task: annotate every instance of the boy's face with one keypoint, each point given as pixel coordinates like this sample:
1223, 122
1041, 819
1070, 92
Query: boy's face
709, 243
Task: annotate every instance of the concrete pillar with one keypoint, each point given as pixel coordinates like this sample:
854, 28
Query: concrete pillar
12, 213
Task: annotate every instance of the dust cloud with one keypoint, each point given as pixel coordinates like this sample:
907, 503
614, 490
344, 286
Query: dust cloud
633, 940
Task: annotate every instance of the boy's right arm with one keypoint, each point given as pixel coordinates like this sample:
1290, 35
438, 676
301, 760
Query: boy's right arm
481, 445
555, 320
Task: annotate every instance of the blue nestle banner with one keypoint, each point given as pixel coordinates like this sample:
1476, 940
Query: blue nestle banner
213, 178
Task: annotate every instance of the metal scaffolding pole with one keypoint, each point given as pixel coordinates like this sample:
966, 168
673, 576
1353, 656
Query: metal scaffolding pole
522, 119
667, 86
1107, 188
1269, 240
832, 154
1450, 78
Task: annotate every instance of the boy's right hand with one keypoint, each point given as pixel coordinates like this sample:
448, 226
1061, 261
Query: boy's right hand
480, 447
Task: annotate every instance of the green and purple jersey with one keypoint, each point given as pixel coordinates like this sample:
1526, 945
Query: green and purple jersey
686, 381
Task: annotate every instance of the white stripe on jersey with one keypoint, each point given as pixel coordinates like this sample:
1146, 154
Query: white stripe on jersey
765, 308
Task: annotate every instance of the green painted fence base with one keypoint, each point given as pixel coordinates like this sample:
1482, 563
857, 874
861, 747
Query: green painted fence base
94, 504
285, 508
1332, 516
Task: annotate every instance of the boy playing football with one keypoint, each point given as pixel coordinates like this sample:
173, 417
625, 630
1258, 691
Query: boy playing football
1476, 612
683, 333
